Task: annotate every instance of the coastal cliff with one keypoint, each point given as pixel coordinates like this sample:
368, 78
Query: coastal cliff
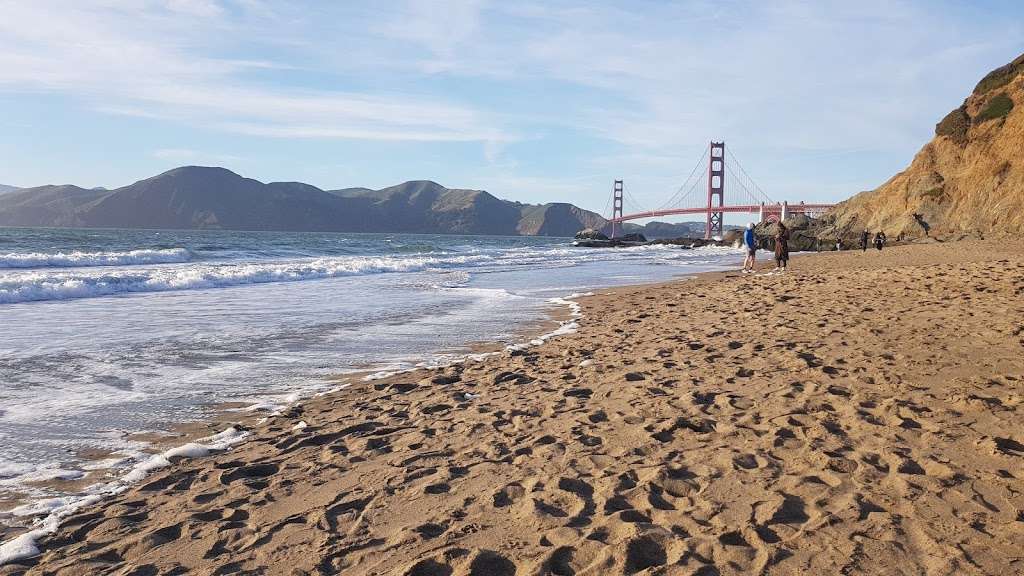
968, 181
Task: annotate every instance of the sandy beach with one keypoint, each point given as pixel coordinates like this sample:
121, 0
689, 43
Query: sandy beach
860, 414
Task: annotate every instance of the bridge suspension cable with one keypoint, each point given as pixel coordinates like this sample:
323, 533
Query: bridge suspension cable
761, 196
631, 202
684, 191
737, 194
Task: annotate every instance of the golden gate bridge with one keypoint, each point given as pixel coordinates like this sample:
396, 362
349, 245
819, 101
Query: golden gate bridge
746, 197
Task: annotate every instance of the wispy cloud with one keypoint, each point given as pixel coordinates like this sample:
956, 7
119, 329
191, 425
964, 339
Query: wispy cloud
158, 61
554, 97
445, 30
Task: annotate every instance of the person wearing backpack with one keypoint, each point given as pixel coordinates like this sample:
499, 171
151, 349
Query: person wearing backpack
750, 243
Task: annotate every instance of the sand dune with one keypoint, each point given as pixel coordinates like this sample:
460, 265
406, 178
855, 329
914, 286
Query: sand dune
858, 415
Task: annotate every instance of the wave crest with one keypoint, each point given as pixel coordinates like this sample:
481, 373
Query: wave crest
49, 285
88, 259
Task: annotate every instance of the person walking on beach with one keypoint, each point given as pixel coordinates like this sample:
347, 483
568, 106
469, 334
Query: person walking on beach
839, 244
750, 243
781, 247
864, 241
879, 240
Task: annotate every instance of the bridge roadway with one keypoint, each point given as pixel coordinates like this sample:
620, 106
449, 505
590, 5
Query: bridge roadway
768, 209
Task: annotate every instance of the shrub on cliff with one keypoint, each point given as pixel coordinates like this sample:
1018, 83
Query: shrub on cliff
955, 125
998, 107
1000, 76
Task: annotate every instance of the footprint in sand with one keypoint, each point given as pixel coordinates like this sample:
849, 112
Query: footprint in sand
429, 568
430, 530
489, 563
509, 495
643, 553
748, 462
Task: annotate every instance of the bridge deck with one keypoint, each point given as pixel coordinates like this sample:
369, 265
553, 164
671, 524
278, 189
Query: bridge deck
747, 209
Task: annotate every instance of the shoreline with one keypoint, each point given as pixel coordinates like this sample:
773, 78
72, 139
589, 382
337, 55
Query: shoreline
722, 421
558, 318
217, 416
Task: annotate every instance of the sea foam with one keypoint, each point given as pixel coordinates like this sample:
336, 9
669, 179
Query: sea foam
39, 282
56, 509
88, 259
39, 285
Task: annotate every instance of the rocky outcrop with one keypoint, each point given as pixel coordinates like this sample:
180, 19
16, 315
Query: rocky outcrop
590, 234
632, 237
805, 234
968, 181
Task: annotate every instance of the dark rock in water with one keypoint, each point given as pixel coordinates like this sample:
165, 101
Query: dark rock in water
592, 243
632, 238
591, 238
613, 243
590, 234
686, 242
732, 236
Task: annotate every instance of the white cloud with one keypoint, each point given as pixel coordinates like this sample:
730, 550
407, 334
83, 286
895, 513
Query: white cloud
442, 28
629, 90
291, 130
790, 73
160, 62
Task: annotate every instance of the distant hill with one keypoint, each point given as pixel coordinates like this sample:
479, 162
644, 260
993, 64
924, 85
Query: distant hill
968, 180
196, 197
422, 206
654, 230
6, 188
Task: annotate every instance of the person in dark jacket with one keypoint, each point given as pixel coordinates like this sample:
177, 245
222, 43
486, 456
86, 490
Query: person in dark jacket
750, 244
781, 247
864, 237
879, 240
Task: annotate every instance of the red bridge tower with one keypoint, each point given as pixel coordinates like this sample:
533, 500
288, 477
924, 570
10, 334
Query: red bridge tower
716, 190
616, 207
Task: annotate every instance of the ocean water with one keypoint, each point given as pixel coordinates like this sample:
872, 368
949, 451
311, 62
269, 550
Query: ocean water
106, 333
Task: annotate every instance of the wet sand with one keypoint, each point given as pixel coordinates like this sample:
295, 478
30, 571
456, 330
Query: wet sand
860, 414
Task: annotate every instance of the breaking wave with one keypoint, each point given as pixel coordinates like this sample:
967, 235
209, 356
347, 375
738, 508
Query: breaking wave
42, 283
88, 259
49, 285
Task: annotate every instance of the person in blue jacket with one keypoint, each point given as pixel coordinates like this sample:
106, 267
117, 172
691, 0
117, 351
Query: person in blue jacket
750, 243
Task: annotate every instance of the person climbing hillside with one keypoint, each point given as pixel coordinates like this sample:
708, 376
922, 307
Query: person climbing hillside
781, 247
750, 243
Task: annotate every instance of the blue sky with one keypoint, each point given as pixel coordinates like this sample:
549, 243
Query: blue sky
546, 101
